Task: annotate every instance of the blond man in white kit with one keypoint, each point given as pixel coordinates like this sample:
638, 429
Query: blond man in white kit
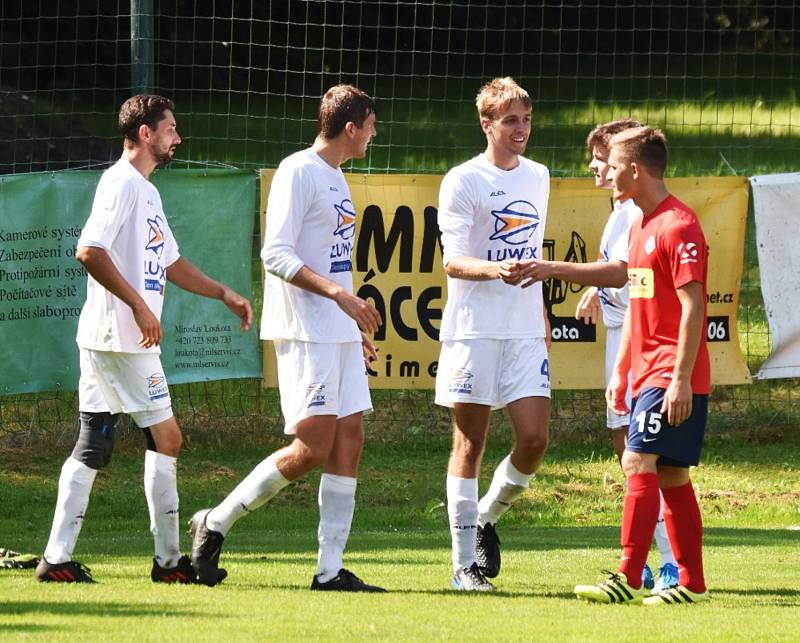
313, 317
492, 213
129, 252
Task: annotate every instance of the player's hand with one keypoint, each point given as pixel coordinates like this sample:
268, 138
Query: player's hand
369, 350
148, 324
677, 402
509, 271
534, 271
240, 307
588, 306
615, 394
365, 314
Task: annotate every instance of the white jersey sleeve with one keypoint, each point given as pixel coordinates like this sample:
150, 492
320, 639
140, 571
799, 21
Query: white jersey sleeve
113, 205
456, 212
288, 200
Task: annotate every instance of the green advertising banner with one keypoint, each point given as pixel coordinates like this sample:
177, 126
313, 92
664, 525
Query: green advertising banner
42, 287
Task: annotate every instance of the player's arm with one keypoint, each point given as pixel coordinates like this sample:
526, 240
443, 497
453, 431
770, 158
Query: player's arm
678, 398
548, 335
613, 274
98, 263
618, 384
472, 269
365, 314
184, 274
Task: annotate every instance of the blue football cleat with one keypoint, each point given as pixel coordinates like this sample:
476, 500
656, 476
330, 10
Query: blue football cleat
648, 582
667, 577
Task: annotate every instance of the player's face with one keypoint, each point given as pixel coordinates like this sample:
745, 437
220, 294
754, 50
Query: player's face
363, 135
621, 174
599, 167
164, 139
510, 130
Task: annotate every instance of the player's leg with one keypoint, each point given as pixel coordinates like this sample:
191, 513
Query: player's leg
91, 453
470, 428
337, 485
467, 382
525, 389
164, 440
681, 510
309, 402
209, 527
641, 504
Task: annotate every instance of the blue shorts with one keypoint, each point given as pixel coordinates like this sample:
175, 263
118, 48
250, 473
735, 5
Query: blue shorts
649, 431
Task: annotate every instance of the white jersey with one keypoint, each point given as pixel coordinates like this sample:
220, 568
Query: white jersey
614, 247
493, 214
128, 222
311, 221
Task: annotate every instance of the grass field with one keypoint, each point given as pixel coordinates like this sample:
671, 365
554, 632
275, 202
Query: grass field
562, 532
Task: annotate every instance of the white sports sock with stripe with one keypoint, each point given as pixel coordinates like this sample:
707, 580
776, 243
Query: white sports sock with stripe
161, 491
462, 510
508, 484
260, 485
337, 502
74, 486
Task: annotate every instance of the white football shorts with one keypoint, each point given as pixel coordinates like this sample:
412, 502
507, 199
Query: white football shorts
613, 340
493, 372
320, 379
132, 383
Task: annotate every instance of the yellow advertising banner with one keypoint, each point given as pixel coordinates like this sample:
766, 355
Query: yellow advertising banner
397, 265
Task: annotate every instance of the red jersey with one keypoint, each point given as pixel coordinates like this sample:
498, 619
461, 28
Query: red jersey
667, 250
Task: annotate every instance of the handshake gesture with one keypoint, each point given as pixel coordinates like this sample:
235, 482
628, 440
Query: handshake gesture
527, 273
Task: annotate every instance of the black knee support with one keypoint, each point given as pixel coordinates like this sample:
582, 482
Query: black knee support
148, 436
96, 439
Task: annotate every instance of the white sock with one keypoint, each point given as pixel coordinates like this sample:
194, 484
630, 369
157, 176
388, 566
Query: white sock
74, 486
260, 485
662, 539
161, 491
508, 484
462, 509
337, 501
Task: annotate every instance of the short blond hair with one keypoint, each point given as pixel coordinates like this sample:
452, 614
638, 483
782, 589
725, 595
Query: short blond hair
643, 145
498, 94
602, 134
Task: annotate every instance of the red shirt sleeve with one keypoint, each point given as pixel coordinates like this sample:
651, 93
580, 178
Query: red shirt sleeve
684, 247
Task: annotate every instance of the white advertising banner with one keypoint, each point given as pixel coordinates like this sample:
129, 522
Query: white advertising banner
776, 203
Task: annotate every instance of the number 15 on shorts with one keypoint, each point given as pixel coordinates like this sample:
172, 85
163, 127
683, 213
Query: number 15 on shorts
649, 423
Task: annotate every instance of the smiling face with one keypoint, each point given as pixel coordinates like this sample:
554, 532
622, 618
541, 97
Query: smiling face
598, 166
508, 132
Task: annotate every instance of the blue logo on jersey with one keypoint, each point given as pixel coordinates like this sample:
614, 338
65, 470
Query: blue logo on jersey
345, 220
515, 223
155, 236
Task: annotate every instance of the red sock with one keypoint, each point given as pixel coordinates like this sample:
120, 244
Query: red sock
685, 529
639, 518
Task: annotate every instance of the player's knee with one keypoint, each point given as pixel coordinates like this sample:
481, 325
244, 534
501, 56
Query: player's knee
310, 456
468, 448
534, 444
167, 442
96, 439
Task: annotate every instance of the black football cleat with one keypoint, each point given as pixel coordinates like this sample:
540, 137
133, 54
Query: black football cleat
182, 573
69, 572
344, 581
488, 550
206, 548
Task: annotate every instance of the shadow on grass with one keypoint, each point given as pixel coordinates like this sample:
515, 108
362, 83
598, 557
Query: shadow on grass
97, 609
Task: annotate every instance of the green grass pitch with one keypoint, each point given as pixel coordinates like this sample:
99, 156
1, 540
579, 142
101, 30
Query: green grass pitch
562, 532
